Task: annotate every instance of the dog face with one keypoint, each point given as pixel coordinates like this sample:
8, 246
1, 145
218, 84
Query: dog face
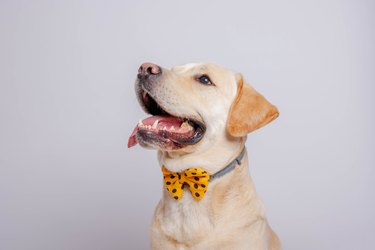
195, 105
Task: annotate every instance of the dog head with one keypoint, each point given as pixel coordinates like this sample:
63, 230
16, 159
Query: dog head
196, 105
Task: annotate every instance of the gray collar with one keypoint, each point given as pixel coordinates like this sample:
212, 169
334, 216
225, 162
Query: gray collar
229, 167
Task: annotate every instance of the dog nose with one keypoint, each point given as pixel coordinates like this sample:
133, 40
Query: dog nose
148, 69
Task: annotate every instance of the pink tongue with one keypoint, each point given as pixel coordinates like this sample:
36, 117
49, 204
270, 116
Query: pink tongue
163, 121
132, 141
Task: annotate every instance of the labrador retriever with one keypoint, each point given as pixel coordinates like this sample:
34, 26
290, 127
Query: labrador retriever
200, 117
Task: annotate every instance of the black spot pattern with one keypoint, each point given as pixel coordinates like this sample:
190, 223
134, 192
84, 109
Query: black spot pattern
195, 179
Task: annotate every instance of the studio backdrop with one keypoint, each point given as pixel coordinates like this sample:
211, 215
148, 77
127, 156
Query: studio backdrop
68, 106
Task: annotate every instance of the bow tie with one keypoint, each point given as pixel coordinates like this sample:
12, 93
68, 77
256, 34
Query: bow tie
197, 180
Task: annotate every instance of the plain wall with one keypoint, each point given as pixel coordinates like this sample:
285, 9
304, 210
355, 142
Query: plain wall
67, 107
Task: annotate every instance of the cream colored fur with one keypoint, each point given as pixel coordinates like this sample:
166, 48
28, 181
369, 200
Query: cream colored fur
231, 215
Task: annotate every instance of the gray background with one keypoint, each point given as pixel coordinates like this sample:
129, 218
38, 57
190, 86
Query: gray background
67, 107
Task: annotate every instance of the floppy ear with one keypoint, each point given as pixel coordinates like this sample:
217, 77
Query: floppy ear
249, 111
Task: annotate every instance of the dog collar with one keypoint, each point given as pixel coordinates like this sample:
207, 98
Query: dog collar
229, 167
197, 179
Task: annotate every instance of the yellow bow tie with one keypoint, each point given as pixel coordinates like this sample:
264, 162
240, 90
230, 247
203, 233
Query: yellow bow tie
197, 179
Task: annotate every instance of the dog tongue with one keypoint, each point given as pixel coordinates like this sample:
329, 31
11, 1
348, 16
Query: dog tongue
164, 121
132, 141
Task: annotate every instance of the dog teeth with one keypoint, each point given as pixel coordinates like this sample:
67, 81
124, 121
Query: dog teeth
186, 125
140, 124
155, 125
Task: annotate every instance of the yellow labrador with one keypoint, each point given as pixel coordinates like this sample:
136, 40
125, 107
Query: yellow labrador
200, 117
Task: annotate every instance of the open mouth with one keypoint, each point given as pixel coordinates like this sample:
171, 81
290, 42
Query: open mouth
164, 129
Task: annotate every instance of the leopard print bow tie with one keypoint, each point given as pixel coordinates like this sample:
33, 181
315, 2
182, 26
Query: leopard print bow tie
196, 179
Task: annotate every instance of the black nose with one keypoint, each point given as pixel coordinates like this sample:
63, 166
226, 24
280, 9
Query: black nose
148, 69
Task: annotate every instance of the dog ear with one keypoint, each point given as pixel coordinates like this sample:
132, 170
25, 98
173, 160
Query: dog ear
249, 111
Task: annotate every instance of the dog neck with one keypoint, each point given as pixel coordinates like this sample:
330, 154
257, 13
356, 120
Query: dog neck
211, 158
189, 221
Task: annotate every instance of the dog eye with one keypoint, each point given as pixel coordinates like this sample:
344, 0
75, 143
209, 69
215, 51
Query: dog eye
204, 79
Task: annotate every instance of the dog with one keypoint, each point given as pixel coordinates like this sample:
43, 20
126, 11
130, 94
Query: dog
200, 117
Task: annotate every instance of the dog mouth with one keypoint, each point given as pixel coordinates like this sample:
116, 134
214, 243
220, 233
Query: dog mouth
164, 129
